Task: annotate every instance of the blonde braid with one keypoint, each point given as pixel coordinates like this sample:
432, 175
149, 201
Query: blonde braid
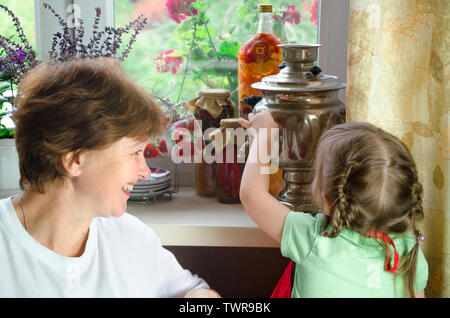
339, 216
408, 262
416, 209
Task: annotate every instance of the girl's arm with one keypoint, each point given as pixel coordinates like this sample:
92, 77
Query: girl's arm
260, 205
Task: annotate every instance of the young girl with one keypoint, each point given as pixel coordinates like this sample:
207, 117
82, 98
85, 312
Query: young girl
365, 242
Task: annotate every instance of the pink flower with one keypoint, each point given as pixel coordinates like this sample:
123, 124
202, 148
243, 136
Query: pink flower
290, 15
165, 63
314, 12
179, 10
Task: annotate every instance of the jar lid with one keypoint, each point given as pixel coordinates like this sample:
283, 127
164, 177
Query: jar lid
212, 100
299, 75
230, 123
214, 93
265, 8
222, 136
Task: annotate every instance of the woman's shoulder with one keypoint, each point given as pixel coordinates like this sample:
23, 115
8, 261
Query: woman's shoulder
125, 219
126, 225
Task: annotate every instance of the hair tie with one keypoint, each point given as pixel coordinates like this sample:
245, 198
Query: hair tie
420, 238
387, 240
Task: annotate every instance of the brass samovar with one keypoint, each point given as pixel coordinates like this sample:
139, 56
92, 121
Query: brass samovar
305, 103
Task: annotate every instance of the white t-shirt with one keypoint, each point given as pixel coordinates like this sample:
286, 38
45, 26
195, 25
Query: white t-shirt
123, 258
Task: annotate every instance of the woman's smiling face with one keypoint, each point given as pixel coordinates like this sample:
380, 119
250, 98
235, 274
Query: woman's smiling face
107, 176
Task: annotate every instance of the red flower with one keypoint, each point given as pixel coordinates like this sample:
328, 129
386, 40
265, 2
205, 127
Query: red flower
179, 10
165, 63
314, 12
150, 151
162, 147
290, 15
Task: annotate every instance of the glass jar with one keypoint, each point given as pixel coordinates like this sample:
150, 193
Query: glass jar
276, 183
205, 179
210, 107
231, 157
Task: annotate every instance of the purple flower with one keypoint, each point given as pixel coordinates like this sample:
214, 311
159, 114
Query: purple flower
19, 57
72, 45
3, 63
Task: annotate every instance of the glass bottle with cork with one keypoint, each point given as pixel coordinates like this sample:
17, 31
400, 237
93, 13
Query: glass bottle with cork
257, 58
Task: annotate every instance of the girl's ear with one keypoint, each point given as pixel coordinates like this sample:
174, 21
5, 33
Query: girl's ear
72, 162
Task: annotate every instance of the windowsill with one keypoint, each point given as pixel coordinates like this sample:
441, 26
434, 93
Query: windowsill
191, 220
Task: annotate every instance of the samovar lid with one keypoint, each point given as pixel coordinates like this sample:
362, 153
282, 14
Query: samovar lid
300, 74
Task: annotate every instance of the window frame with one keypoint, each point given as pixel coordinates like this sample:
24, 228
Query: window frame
47, 24
333, 26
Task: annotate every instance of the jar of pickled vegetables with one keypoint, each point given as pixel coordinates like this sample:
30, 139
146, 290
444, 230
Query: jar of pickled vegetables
210, 107
229, 142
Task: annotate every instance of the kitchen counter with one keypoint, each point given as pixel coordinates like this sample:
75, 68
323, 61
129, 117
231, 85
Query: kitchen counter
191, 220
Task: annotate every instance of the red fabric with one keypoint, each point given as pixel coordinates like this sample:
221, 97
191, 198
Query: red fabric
387, 240
284, 286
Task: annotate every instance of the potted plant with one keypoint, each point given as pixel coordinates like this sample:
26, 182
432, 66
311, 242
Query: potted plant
16, 58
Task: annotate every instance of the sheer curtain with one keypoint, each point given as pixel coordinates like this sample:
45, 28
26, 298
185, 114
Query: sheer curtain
398, 79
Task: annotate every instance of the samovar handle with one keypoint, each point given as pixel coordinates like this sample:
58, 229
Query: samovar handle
313, 72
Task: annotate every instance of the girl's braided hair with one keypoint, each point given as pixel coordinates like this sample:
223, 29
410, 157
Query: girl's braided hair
370, 179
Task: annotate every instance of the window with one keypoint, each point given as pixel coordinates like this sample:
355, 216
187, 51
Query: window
229, 26
229, 21
24, 11
212, 54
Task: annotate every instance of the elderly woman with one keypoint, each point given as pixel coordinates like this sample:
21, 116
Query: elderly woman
81, 130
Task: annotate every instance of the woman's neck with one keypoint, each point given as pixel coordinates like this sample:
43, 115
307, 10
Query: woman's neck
54, 220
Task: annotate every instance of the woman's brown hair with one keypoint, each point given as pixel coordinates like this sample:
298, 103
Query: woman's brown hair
77, 105
370, 178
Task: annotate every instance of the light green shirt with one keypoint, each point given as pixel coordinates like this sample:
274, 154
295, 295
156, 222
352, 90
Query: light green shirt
349, 265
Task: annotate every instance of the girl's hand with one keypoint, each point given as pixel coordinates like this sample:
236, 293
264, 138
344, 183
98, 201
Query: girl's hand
261, 120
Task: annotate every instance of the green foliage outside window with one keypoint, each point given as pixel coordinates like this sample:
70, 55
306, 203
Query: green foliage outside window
176, 60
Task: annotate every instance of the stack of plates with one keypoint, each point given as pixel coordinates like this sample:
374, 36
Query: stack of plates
159, 182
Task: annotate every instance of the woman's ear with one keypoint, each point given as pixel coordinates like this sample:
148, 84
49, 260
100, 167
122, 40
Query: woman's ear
72, 162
